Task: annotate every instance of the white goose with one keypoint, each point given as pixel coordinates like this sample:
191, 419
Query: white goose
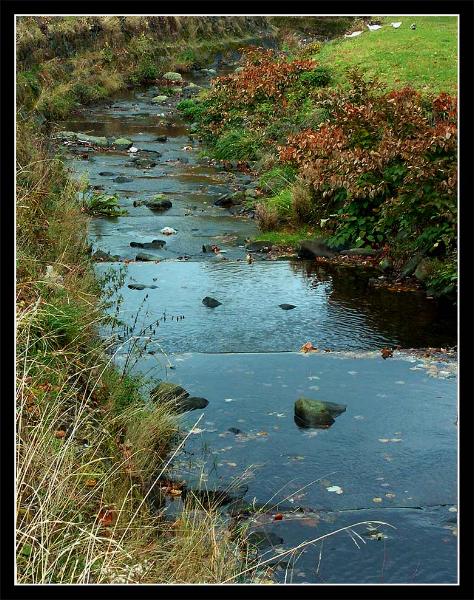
396, 25
353, 34
374, 27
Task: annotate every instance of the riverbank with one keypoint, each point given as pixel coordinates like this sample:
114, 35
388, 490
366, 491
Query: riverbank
360, 162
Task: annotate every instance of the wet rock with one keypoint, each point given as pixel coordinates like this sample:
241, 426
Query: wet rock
143, 163
122, 143
211, 302
263, 539
314, 249
235, 430
158, 204
410, 266
423, 269
153, 244
153, 154
93, 139
386, 265
259, 246
173, 76
136, 286
101, 256
178, 397
143, 257
122, 179
360, 252
316, 413
191, 90
287, 306
213, 498
161, 138
224, 201
67, 135
159, 99
168, 231
106, 174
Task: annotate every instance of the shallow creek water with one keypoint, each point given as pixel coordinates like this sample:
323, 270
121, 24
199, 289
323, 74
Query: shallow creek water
391, 456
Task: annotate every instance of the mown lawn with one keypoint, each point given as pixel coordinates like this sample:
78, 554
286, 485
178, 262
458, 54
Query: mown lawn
424, 58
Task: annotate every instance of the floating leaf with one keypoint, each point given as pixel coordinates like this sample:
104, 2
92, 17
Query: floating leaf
377, 500
261, 433
335, 488
308, 347
278, 517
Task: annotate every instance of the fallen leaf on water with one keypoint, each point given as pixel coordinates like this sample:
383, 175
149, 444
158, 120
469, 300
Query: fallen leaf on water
175, 492
452, 509
335, 488
260, 433
384, 440
376, 499
278, 517
386, 353
308, 347
390, 495
196, 430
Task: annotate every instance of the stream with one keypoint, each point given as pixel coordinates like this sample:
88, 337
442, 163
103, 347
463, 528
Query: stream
391, 456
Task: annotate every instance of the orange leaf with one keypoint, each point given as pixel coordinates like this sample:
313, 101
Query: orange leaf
59, 434
278, 517
107, 516
91, 483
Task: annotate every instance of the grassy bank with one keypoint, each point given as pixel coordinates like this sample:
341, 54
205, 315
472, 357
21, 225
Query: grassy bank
71, 61
361, 160
90, 451
88, 448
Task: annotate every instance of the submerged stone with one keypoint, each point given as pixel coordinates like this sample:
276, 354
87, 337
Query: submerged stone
159, 205
179, 398
316, 413
122, 179
287, 306
263, 539
211, 302
142, 256
136, 286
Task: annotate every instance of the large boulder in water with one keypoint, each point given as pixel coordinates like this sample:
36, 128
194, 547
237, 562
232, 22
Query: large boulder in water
314, 249
316, 413
211, 302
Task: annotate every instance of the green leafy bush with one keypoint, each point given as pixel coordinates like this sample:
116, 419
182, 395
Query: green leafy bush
319, 77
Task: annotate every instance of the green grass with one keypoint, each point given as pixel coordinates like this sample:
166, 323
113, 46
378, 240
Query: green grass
425, 58
288, 237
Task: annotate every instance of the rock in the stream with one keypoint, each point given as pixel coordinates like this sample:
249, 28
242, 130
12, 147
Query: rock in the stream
136, 286
168, 231
122, 179
411, 264
314, 249
287, 306
101, 256
159, 99
93, 139
234, 430
263, 539
152, 244
173, 76
106, 174
224, 201
161, 138
259, 246
316, 413
142, 163
158, 204
143, 257
213, 498
67, 135
211, 302
122, 143
178, 397
385, 265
